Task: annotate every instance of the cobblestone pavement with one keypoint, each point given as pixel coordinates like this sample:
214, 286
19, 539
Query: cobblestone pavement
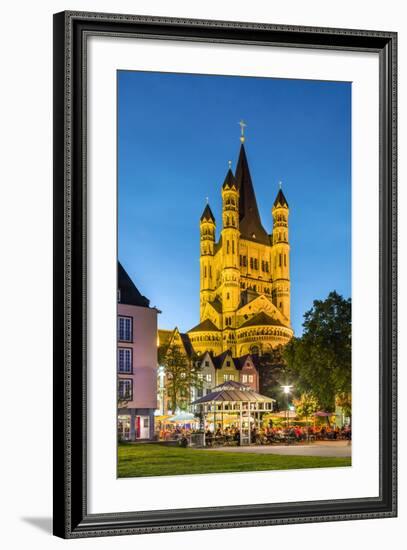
321, 448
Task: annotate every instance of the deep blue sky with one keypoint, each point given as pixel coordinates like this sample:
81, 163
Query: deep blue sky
176, 134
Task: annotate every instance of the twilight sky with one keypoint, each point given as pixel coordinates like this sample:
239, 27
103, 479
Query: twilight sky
176, 134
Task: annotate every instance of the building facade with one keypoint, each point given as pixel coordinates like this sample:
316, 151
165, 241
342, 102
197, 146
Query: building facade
136, 361
245, 274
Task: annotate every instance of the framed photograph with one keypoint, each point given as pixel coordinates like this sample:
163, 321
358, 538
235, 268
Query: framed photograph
224, 274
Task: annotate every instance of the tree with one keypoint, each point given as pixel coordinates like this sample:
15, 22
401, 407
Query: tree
344, 401
271, 367
182, 374
306, 406
321, 358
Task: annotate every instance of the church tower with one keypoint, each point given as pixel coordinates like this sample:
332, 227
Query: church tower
230, 275
245, 275
207, 237
281, 255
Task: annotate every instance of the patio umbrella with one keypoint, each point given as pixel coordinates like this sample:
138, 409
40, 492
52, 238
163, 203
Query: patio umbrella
182, 417
322, 413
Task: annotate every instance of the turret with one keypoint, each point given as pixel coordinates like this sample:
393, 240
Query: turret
281, 255
230, 250
207, 238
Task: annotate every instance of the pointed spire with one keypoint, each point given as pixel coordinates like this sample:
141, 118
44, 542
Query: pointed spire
207, 214
280, 199
229, 180
249, 217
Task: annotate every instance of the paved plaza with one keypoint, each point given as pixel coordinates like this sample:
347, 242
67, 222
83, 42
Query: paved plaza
340, 449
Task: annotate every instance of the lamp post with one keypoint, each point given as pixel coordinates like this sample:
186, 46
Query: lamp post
287, 389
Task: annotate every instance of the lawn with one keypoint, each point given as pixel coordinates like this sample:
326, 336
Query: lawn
143, 460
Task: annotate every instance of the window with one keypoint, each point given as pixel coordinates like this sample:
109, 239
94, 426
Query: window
279, 260
227, 247
233, 247
244, 378
250, 377
124, 360
125, 329
228, 363
206, 363
208, 391
285, 260
126, 389
227, 377
208, 377
199, 392
251, 263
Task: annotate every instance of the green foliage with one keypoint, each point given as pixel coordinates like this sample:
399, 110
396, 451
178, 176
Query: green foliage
320, 360
182, 374
306, 405
271, 369
344, 400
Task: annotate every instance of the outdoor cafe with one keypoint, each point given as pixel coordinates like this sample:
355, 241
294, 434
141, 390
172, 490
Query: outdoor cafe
231, 409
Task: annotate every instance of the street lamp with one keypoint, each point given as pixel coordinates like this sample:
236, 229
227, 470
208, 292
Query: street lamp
287, 389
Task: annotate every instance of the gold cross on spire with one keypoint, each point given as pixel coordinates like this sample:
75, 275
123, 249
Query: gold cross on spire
230, 164
242, 125
280, 184
207, 200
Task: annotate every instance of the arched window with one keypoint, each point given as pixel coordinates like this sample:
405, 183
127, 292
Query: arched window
255, 350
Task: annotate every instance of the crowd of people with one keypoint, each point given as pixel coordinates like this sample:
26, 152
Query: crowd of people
230, 435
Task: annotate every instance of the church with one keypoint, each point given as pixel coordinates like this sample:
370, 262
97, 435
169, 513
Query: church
245, 274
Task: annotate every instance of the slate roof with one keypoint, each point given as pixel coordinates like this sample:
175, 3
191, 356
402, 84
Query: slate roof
187, 344
206, 325
249, 218
217, 305
261, 319
218, 359
229, 180
207, 214
233, 391
241, 361
129, 294
280, 199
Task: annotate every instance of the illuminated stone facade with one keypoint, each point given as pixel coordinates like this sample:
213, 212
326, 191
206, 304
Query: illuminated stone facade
245, 275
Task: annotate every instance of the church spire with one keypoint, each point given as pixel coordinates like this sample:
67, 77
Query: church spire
207, 213
280, 199
249, 217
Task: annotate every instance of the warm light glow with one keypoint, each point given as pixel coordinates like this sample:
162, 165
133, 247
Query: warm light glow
286, 389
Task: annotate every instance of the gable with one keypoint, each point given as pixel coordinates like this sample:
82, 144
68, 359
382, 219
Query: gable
177, 340
261, 304
209, 312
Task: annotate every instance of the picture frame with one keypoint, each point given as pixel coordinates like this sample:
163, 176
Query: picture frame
71, 32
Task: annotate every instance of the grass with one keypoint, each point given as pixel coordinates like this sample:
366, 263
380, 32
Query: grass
142, 460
